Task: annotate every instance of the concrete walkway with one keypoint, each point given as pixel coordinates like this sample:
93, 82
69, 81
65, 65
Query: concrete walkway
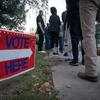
69, 85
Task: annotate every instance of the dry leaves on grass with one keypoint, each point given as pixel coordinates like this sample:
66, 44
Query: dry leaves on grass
42, 73
46, 88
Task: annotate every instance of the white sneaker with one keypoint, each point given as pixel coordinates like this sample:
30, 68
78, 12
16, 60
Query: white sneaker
42, 51
60, 54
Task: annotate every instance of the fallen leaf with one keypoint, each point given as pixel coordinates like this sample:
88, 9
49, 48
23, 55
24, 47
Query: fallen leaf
33, 76
37, 84
41, 73
58, 98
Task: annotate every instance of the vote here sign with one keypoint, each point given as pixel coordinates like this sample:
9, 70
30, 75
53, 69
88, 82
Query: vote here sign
17, 54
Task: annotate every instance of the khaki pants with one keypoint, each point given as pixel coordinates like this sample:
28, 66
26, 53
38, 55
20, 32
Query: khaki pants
88, 13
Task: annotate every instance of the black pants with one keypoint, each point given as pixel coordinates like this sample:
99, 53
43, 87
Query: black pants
40, 43
76, 36
75, 50
54, 39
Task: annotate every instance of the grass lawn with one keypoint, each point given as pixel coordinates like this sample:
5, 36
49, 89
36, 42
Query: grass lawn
34, 85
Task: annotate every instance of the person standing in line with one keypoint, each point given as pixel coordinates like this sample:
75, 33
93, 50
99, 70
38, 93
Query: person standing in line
54, 28
75, 29
61, 40
47, 38
64, 16
89, 12
67, 39
40, 31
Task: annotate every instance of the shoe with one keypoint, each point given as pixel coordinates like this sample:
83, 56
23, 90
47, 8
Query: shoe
74, 63
65, 54
56, 54
88, 78
42, 51
82, 62
60, 54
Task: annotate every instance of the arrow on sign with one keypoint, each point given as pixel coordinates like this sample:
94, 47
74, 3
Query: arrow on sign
14, 54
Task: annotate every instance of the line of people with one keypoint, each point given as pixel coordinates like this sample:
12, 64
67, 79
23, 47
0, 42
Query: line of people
80, 21
56, 35
51, 31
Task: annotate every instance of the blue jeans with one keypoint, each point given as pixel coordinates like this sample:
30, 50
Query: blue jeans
47, 42
61, 44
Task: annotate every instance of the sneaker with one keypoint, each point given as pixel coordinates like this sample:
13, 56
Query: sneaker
88, 78
82, 63
65, 54
74, 63
60, 54
42, 51
56, 54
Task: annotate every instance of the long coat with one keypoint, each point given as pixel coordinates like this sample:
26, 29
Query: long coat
73, 18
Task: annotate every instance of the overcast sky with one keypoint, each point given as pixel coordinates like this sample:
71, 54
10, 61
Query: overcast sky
31, 16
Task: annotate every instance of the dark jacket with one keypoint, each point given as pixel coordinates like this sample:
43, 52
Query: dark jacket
54, 21
64, 18
73, 18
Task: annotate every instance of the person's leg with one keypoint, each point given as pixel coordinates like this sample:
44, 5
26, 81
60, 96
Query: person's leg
83, 53
40, 43
68, 47
56, 40
47, 42
65, 41
76, 34
61, 44
66, 32
74, 39
75, 52
88, 12
52, 40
